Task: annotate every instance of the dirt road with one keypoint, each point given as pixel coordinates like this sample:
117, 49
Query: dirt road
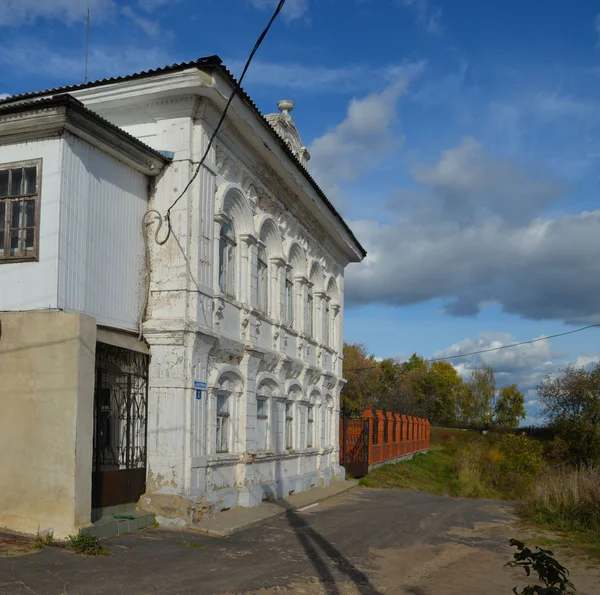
368, 542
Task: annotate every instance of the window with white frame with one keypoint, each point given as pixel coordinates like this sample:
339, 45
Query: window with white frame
310, 427
263, 281
227, 248
289, 425
19, 211
310, 322
289, 298
262, 423
223, 422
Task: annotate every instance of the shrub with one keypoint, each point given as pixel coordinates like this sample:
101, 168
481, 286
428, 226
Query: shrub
550, 572
566, 498
43, 540
521, 455
88, 545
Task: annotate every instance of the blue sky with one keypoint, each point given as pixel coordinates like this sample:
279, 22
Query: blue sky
460, 140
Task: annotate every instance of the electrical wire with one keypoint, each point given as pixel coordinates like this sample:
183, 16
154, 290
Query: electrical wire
219, 124
441, 359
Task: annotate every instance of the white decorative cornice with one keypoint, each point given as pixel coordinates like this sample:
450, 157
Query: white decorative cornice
285, 127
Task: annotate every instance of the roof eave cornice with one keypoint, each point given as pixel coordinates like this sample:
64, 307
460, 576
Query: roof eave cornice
43, 122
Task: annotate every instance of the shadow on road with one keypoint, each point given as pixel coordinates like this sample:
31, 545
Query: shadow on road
321, 553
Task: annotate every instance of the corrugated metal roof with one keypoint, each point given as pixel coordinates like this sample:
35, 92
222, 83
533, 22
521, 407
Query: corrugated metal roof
208, 63
69, 101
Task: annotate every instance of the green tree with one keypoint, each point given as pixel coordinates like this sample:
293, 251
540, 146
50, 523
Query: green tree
440, 386
509, 409
482, 385
361, 372
571, 403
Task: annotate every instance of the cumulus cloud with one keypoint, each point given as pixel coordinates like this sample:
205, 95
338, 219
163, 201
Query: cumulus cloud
351, 148
476, 234
293, 9
470, 184
524, 365
545, 269
4, 96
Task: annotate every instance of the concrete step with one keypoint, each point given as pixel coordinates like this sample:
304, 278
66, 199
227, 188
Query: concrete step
119, 524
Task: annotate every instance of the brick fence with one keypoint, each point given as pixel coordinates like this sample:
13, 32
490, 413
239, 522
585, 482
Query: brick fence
380, 437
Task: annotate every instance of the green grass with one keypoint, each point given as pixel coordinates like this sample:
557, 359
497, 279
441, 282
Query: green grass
434, 472
577, 543
430, 472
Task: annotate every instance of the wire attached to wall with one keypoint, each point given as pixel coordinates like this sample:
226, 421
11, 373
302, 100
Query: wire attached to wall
216, 130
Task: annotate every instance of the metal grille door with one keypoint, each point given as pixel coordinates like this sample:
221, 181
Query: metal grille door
120, 420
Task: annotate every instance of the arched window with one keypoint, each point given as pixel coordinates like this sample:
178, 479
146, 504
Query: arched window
227, 247
289, 298
263, 281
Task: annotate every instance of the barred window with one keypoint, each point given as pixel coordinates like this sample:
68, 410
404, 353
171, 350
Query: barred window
19, 211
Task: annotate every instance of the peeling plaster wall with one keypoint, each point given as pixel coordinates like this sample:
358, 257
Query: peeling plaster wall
196, 333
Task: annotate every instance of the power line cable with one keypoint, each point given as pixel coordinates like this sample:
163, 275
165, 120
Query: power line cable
222, 119
440, 359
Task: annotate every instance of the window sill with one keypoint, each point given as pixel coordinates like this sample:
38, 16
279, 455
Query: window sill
19, 259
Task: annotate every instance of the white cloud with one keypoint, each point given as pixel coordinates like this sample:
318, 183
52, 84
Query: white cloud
544, 269
469, 183
4, 96
476, 235
67, 11
317, 78
524, 365
104, 61
429, 16
351, 148
293, 9
148, 26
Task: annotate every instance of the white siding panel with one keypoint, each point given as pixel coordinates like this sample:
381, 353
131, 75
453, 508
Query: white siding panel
101, 245
33, 285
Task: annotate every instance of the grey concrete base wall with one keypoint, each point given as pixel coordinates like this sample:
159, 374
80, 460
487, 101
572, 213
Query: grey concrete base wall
397, 459
47, 363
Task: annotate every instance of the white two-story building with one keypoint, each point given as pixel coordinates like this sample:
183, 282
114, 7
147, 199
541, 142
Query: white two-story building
188, 365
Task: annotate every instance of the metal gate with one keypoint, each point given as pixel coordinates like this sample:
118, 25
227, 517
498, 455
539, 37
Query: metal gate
120, 422
354, 445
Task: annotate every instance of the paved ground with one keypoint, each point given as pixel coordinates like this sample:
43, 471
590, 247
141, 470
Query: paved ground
366, 541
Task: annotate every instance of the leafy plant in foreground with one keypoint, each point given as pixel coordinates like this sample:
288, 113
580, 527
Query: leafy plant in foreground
88, 545
550, 572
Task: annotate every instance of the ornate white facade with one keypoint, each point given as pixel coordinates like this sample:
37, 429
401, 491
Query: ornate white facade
247, 296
